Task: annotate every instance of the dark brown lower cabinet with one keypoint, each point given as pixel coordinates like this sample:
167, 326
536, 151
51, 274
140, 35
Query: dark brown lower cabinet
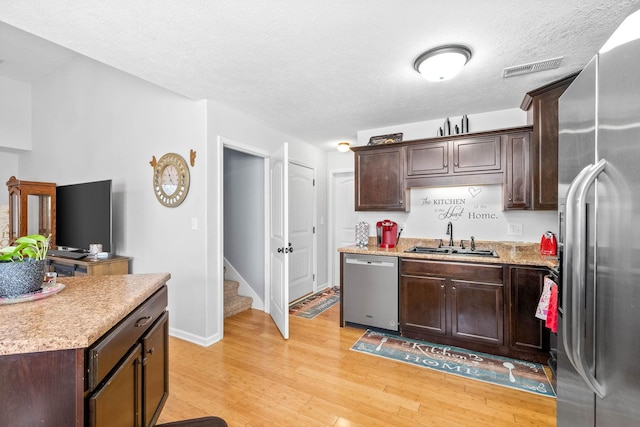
452, 303
528, 333
482, 307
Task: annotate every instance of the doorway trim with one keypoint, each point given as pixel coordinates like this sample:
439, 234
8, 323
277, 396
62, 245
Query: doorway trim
224, 142
333, 173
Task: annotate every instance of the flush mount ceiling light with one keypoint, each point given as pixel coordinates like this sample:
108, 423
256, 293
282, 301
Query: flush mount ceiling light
343, 146
442, 63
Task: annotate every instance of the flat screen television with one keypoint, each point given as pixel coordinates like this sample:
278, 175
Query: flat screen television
83, 215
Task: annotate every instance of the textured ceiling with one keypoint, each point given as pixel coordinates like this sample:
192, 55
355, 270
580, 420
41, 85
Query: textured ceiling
316, 70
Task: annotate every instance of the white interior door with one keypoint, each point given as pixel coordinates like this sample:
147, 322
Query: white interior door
343, 218
301, 224
279, 238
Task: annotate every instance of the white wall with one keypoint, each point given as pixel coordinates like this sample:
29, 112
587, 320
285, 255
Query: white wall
92, 122
473, 210
490, 120
231, 124
244, 225
9, 160
15, 114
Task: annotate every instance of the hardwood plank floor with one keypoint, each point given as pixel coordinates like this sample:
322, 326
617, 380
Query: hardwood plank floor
253, 378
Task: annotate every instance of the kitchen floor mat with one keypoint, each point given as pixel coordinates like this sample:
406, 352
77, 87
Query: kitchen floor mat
503, 371
315, 304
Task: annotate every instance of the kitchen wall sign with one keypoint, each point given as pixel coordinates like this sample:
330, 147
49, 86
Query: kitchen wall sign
456, 203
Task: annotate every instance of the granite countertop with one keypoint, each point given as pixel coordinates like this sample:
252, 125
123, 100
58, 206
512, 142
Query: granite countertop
511, 253
77, 316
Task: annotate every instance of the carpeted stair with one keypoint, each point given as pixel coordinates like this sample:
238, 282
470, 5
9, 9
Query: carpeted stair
234, 303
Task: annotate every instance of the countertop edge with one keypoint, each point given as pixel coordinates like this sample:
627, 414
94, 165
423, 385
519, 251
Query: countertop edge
76, 317
510, 253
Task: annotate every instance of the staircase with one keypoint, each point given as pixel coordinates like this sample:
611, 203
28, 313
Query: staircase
234, 303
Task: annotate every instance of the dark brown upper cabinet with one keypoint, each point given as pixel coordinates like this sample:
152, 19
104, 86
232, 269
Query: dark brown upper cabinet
541, 106
379, 179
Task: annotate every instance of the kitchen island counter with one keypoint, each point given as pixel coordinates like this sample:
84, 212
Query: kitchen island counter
77, 316
510, 253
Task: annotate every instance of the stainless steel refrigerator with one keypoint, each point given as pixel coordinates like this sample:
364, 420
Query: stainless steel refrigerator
598, 374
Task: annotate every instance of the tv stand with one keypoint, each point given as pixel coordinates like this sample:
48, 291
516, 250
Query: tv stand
88, 266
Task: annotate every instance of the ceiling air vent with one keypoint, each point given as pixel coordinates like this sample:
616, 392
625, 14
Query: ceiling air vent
534, 67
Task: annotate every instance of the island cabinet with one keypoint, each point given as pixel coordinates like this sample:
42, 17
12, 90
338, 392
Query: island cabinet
379, 179
127, 380
453, 303
528, 333
119, 379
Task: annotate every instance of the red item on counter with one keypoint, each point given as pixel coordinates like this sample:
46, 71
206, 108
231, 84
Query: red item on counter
552, 311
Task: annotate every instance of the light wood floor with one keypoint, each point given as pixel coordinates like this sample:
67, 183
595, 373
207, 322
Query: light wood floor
253, 377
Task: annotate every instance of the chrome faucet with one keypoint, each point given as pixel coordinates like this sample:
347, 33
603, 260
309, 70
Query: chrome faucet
450, 233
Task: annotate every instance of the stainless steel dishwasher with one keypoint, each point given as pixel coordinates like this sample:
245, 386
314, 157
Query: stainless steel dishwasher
370, 290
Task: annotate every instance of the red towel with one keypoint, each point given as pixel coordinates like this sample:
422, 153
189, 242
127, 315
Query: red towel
552, 312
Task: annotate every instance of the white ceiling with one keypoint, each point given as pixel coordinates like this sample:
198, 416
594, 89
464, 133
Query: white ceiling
316, 70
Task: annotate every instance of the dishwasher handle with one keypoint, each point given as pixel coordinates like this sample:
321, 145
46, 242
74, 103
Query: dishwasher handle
360, 261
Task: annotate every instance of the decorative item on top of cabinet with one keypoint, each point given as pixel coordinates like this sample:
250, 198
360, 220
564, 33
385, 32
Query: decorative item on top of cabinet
385, 139
541, 106
379, 179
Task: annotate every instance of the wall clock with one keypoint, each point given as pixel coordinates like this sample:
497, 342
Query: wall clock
170, 179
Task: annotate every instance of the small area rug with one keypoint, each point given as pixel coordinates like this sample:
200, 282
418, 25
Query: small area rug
512, 373
315, 304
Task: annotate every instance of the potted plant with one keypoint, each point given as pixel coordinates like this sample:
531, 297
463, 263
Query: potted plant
22, 266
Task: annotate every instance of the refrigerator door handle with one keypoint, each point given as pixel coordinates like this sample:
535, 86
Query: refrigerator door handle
578, 323
568, 264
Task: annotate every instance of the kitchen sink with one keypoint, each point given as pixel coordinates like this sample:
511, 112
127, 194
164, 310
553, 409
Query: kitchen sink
452, 250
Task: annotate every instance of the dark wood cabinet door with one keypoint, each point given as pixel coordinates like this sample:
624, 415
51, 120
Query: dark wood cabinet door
542, 107
428, 159
423, 304
545, 150
477, 311
477, 154
155, 369
517, 183
117, 403
380, 179
528, 333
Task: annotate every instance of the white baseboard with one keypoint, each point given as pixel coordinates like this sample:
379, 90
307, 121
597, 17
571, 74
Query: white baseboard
195, 339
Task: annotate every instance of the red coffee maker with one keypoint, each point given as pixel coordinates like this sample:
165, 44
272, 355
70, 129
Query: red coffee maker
548, 244
387, 233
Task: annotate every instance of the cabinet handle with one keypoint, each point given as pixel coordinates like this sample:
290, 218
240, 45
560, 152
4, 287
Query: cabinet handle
151, 350
143, 321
